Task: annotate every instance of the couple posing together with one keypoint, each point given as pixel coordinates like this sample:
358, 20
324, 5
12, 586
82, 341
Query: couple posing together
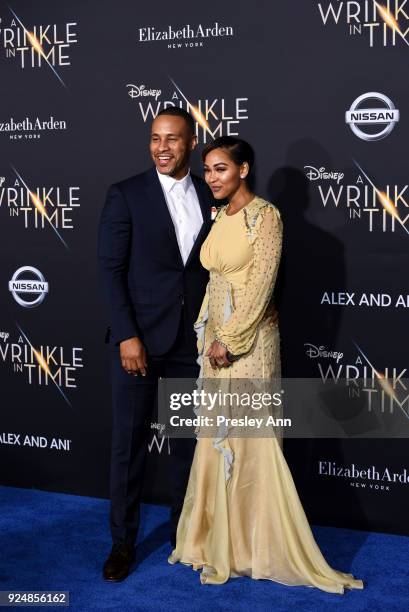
235, 510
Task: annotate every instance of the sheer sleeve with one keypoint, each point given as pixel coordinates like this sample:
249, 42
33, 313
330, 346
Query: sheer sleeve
239, 332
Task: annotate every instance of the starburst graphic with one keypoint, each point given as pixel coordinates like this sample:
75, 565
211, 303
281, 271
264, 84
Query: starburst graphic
383, 381
385, 201
197, 114
36, 45
43, 364
39, 205
390, 20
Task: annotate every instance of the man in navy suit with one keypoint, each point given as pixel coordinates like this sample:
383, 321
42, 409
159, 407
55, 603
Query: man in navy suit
151, 230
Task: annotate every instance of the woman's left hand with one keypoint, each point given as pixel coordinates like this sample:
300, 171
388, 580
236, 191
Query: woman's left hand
217, 356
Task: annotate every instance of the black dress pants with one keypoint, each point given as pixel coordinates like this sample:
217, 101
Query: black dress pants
134, 400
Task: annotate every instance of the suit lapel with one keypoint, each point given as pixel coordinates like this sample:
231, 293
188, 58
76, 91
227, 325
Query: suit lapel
162, 216
160, 209
205, 206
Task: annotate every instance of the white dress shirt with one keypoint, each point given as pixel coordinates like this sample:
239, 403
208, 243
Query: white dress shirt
184, 208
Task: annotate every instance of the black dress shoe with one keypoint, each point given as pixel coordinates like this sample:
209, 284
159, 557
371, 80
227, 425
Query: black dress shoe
116, 567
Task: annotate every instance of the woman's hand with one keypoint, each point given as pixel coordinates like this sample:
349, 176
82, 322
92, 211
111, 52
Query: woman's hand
217, 356
271, 315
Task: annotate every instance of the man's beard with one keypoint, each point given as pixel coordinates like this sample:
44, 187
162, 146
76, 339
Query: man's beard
183, 163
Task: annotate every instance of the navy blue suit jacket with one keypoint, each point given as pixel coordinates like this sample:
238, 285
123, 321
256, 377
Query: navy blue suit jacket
142, 273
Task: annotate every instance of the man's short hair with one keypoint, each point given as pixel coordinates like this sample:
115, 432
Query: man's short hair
176, 111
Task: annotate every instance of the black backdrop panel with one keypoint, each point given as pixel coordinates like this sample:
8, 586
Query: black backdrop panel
81, 83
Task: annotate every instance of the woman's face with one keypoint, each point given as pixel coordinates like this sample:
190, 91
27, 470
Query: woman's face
222, 175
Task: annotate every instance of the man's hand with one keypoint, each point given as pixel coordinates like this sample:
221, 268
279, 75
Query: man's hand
133, 356
217, 356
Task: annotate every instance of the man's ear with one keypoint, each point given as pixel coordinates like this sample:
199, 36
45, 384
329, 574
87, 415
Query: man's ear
193, 144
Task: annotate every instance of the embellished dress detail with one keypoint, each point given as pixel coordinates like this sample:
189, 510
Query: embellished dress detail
242, 515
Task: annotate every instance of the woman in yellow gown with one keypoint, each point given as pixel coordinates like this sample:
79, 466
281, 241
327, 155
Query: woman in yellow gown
242, 515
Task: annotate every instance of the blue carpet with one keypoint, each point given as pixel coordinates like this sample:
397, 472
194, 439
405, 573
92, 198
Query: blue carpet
53, 541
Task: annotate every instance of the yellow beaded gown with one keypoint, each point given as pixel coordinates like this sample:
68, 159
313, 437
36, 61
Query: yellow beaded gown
242, 515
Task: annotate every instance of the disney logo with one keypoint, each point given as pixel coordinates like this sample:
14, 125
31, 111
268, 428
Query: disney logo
136, 92
4, 336
319, 351
159, 426
315, 174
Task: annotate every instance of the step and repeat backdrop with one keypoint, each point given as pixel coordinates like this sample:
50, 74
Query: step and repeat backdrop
319, 89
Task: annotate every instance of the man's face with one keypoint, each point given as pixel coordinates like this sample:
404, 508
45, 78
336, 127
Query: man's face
171, 144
